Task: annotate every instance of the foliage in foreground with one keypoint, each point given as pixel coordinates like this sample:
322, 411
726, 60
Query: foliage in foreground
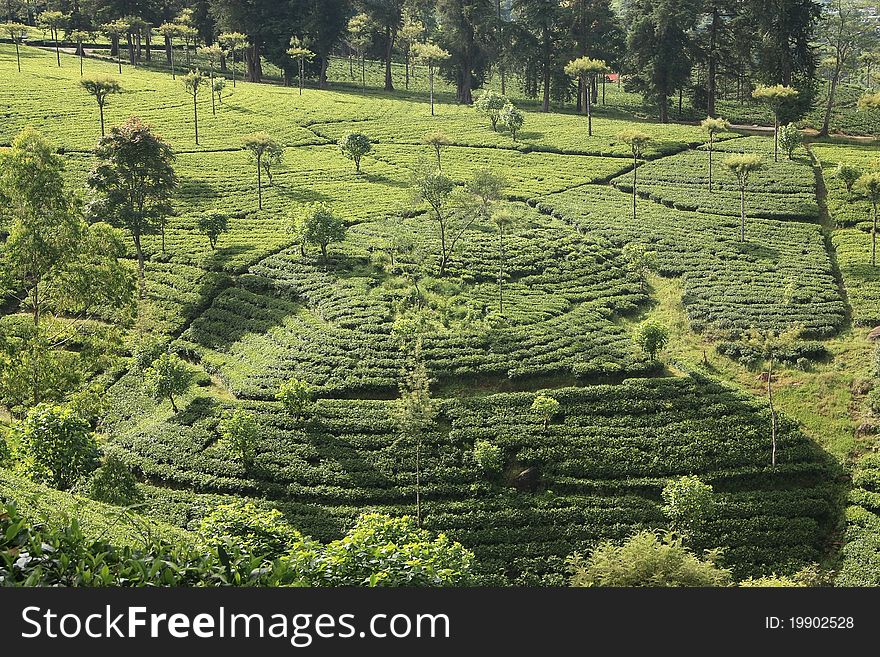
378, 551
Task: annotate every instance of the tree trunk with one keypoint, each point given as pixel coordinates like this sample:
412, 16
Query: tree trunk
829, 106
213, 108
589, 115
148, 37
776, 136
742, 213
142, 285
664, 108
390, 35
196, 115
635, 177
130, 45
101, 112
173, 405
501, 270
254, 68
710, 165
431, 85
406, 67
57, 48
168, 46
322, 79
772, 413
171, 58
579, 105
545, 105
874, 238
259, 184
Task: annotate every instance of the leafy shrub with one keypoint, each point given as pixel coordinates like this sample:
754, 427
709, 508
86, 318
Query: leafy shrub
651, 337
784, 352
354, 145
112, 483
647, 559
490, 104
688, 503
512, 118
295, 395
53, 445
790, 138
168, 376
258, 532
240, 430
489, 457
545, 407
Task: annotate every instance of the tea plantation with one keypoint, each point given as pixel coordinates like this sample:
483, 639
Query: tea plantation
548, 302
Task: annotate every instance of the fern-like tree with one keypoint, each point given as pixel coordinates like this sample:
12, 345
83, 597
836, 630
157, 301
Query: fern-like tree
354, 145
742, 167
217, 87
713, 127
777, 97
301, 54
54, 22
100, 87
438, 141
258, 144
868, 185
586, 69
17, 33
192, 82
637, 142
167, 377
234, 42
133, 181
213, 54
640, 261
430, 55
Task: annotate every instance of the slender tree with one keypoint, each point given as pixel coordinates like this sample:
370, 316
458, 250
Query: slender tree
54, 22
777, 97
742, 166
192, 82
258, 144
360, 36
170, 31
431, 55
868, 186
114, 30
712, 128
301, 54
438, 141
637, 141
410, 33
101, 86
17, 33
502, 220
80, 36
213, 54
234, 42
586, 69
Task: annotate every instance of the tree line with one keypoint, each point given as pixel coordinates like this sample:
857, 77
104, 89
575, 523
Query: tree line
665, 49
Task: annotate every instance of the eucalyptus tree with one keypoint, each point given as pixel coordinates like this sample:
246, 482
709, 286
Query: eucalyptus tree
213, 54
410, 33
360, 36
438, 141
637, 142
258, 144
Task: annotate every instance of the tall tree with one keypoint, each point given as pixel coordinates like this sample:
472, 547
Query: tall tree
133, 181
466, 33
543, 20
387, 16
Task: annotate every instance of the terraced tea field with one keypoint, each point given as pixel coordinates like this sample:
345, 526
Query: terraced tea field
257, 311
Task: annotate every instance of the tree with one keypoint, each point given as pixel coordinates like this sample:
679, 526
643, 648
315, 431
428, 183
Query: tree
489, 457
272, 156
687, 504
647, 559
637, 142
383, 551
171, 31
213, 224
742, 166
490, 104
713, 127
302, 54
868, 186
54, 446
541, 20
659, 47
651, 337
845, 30
17, 33
258, 144
790, 138
502, 220
54, 21
410, 33
415, 412
431, 56
438, 141
240, 430
586, 69
295, 395
114, 30
168, 376
354, 145
512, 118
234, 42
79, 37
192, 82
112, 483
213, 54
640, 261
133, 181
101, 86
848, 175
432, 187
317, 224
467, 36
777, 97
360, 36
545, 408
218, 86
387, 16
